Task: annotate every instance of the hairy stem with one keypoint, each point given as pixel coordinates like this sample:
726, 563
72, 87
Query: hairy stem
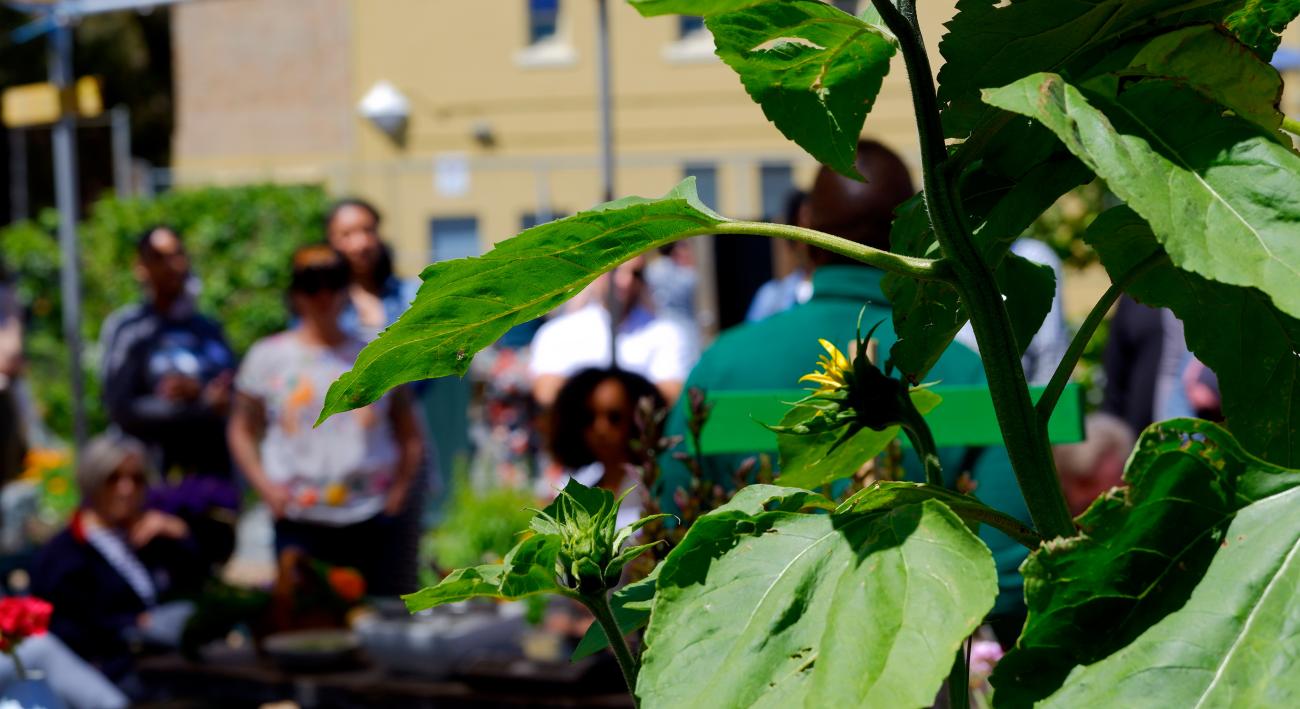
1061, 377
922, 268
918, 432
1031, 456
598, 604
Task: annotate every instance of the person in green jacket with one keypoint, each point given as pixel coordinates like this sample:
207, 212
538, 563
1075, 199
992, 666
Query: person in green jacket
773, 353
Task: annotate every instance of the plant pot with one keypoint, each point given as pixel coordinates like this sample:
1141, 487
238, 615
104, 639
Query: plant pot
30, 694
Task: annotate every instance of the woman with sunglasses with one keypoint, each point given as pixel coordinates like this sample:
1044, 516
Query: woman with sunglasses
335, 490
118, 576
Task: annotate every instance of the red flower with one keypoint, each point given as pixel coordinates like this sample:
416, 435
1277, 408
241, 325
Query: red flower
21, 618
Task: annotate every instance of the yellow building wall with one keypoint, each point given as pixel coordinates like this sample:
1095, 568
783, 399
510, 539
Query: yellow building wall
465, 68
268, 89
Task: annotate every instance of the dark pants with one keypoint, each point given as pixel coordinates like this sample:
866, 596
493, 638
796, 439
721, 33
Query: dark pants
13, 445
372, 547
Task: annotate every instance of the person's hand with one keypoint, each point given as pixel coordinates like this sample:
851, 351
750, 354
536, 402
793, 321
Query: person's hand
217, 393
395, 501
277, 499
178, 387
12, 366
153, 525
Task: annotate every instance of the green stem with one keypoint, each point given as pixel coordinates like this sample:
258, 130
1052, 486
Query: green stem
598, 604
19, 670
922, 268
1027, 447
1291, 125
959, 679
918, 432
1061, 377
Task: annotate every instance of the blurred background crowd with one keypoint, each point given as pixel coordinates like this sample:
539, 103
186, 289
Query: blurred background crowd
269, 180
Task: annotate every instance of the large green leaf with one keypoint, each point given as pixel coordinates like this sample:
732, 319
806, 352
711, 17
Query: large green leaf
991, 44
1259, 23
527, 570
881, 496
465, 304
650, 8
1221, 196
1137, 558
1210, 62
811, 460
753, 499
784, 609
1234, 643
814, 69
1235, 331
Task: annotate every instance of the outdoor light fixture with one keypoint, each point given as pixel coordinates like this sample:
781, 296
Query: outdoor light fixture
387, 108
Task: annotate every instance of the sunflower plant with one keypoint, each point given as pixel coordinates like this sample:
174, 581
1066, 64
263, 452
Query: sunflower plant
1176, 591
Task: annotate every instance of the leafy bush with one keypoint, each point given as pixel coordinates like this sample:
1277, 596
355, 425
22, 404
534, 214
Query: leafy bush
480, 527
239, 240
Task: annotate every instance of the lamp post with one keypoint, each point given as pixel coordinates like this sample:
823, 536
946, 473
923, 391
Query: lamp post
606, 119
66, 198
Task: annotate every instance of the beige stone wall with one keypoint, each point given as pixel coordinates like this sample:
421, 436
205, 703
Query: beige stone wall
262, 84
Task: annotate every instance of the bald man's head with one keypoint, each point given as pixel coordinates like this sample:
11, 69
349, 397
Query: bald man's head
857, 211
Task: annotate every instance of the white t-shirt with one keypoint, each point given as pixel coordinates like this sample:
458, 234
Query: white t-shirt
337, 473
659, 349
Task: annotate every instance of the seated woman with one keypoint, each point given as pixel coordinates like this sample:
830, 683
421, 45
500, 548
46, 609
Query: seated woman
592, 427
116, 575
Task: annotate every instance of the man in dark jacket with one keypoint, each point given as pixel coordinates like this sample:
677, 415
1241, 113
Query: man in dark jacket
167, 374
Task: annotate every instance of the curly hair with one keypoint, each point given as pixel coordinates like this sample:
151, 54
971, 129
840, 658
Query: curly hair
571, 414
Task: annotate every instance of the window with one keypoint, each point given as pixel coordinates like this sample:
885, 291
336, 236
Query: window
688, 25
706, 181
453, 237
532, 219
548, 43
543, 19
849, 6
775, 183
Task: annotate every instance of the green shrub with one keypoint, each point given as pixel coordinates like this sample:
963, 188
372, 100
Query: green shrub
239, 240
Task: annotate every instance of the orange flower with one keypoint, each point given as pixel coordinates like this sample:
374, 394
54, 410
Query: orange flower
347, 583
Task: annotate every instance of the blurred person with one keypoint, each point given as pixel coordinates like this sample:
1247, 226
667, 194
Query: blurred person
672, 280
780, 294
661, 349
1144, 361
119, 575
13, 443
773, 353
1095, 465
335, 490
593, 424
167, 374
73, 680
376, 297
1195, 394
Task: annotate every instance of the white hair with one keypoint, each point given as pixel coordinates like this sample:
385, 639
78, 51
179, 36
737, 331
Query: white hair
103, 455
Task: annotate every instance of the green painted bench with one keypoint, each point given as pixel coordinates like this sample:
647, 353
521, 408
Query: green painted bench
965, 418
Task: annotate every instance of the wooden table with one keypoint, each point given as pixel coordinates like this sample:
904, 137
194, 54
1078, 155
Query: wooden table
230, 678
